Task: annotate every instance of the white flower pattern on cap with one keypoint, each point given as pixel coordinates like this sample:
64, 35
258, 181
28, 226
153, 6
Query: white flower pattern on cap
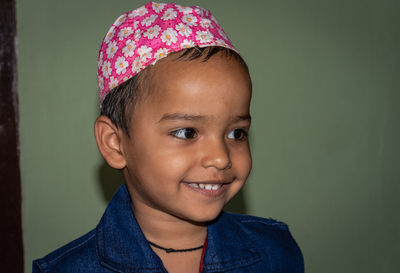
183, 29
206, 23
204, 36
189, 20
141, 37
149, 20
129, 48
106, 69
187, 44
169, 14
138, 34
136, 65
111, 49
100, 60
124, 33
144, 53
109, 34
120, 20
221, 42
152, 32
157, 7
100, 81
161, 53
120, 65
138, 12
113, 83
184, 9
169, 36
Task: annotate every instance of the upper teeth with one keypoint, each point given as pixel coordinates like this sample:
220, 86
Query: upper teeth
209, 187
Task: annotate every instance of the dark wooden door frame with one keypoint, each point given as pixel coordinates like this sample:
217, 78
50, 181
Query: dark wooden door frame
11, 247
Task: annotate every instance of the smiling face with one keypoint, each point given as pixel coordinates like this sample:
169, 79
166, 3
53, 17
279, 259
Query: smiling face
188, 154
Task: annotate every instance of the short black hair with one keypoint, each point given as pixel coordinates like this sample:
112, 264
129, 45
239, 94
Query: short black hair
119, 103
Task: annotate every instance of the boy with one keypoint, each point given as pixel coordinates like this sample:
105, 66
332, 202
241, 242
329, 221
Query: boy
175, 118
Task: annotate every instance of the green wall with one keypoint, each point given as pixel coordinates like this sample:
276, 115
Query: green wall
325, 136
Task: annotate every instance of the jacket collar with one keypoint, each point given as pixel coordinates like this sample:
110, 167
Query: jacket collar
228, 245
122, 247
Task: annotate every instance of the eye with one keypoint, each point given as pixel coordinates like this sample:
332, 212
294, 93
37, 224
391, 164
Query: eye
238, 134
185, 133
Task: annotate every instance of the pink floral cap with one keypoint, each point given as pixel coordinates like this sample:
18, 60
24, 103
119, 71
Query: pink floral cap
143, 36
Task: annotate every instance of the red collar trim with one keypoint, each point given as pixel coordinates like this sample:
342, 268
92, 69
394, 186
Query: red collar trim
202, 255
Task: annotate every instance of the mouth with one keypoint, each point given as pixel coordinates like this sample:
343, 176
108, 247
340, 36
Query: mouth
209, 188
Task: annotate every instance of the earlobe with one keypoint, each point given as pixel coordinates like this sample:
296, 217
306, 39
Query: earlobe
109, 142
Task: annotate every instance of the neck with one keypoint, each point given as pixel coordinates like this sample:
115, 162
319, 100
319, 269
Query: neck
168, 230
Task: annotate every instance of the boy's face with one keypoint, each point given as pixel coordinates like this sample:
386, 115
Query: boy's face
188, 152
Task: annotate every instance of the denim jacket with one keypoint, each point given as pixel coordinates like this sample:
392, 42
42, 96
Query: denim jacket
235, 243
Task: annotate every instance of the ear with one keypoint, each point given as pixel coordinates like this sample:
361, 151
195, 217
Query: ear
108, 138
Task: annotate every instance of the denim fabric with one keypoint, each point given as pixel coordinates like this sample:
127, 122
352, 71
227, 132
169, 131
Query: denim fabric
235, 243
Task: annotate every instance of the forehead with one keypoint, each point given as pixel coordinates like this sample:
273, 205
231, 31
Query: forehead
198, 84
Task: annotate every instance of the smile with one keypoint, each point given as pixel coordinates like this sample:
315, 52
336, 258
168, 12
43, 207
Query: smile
208, 187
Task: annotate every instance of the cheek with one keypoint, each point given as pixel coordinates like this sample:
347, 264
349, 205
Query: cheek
164, 164
242, 162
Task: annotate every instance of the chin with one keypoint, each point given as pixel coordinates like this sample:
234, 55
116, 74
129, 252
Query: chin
202, 217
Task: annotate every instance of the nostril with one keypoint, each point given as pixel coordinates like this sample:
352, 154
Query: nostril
229, 165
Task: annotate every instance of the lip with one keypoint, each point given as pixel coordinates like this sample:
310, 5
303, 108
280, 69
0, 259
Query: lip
209, 193
209, 182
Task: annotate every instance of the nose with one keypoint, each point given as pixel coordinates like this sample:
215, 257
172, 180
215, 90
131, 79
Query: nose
216, 154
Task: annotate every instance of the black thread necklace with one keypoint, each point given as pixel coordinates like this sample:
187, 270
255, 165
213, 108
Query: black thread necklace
172, 250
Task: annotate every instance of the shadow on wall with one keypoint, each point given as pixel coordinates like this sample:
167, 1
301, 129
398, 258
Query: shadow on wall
237, 204
110, 179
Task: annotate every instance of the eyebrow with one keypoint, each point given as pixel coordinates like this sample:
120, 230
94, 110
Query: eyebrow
181, 116
246, 117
